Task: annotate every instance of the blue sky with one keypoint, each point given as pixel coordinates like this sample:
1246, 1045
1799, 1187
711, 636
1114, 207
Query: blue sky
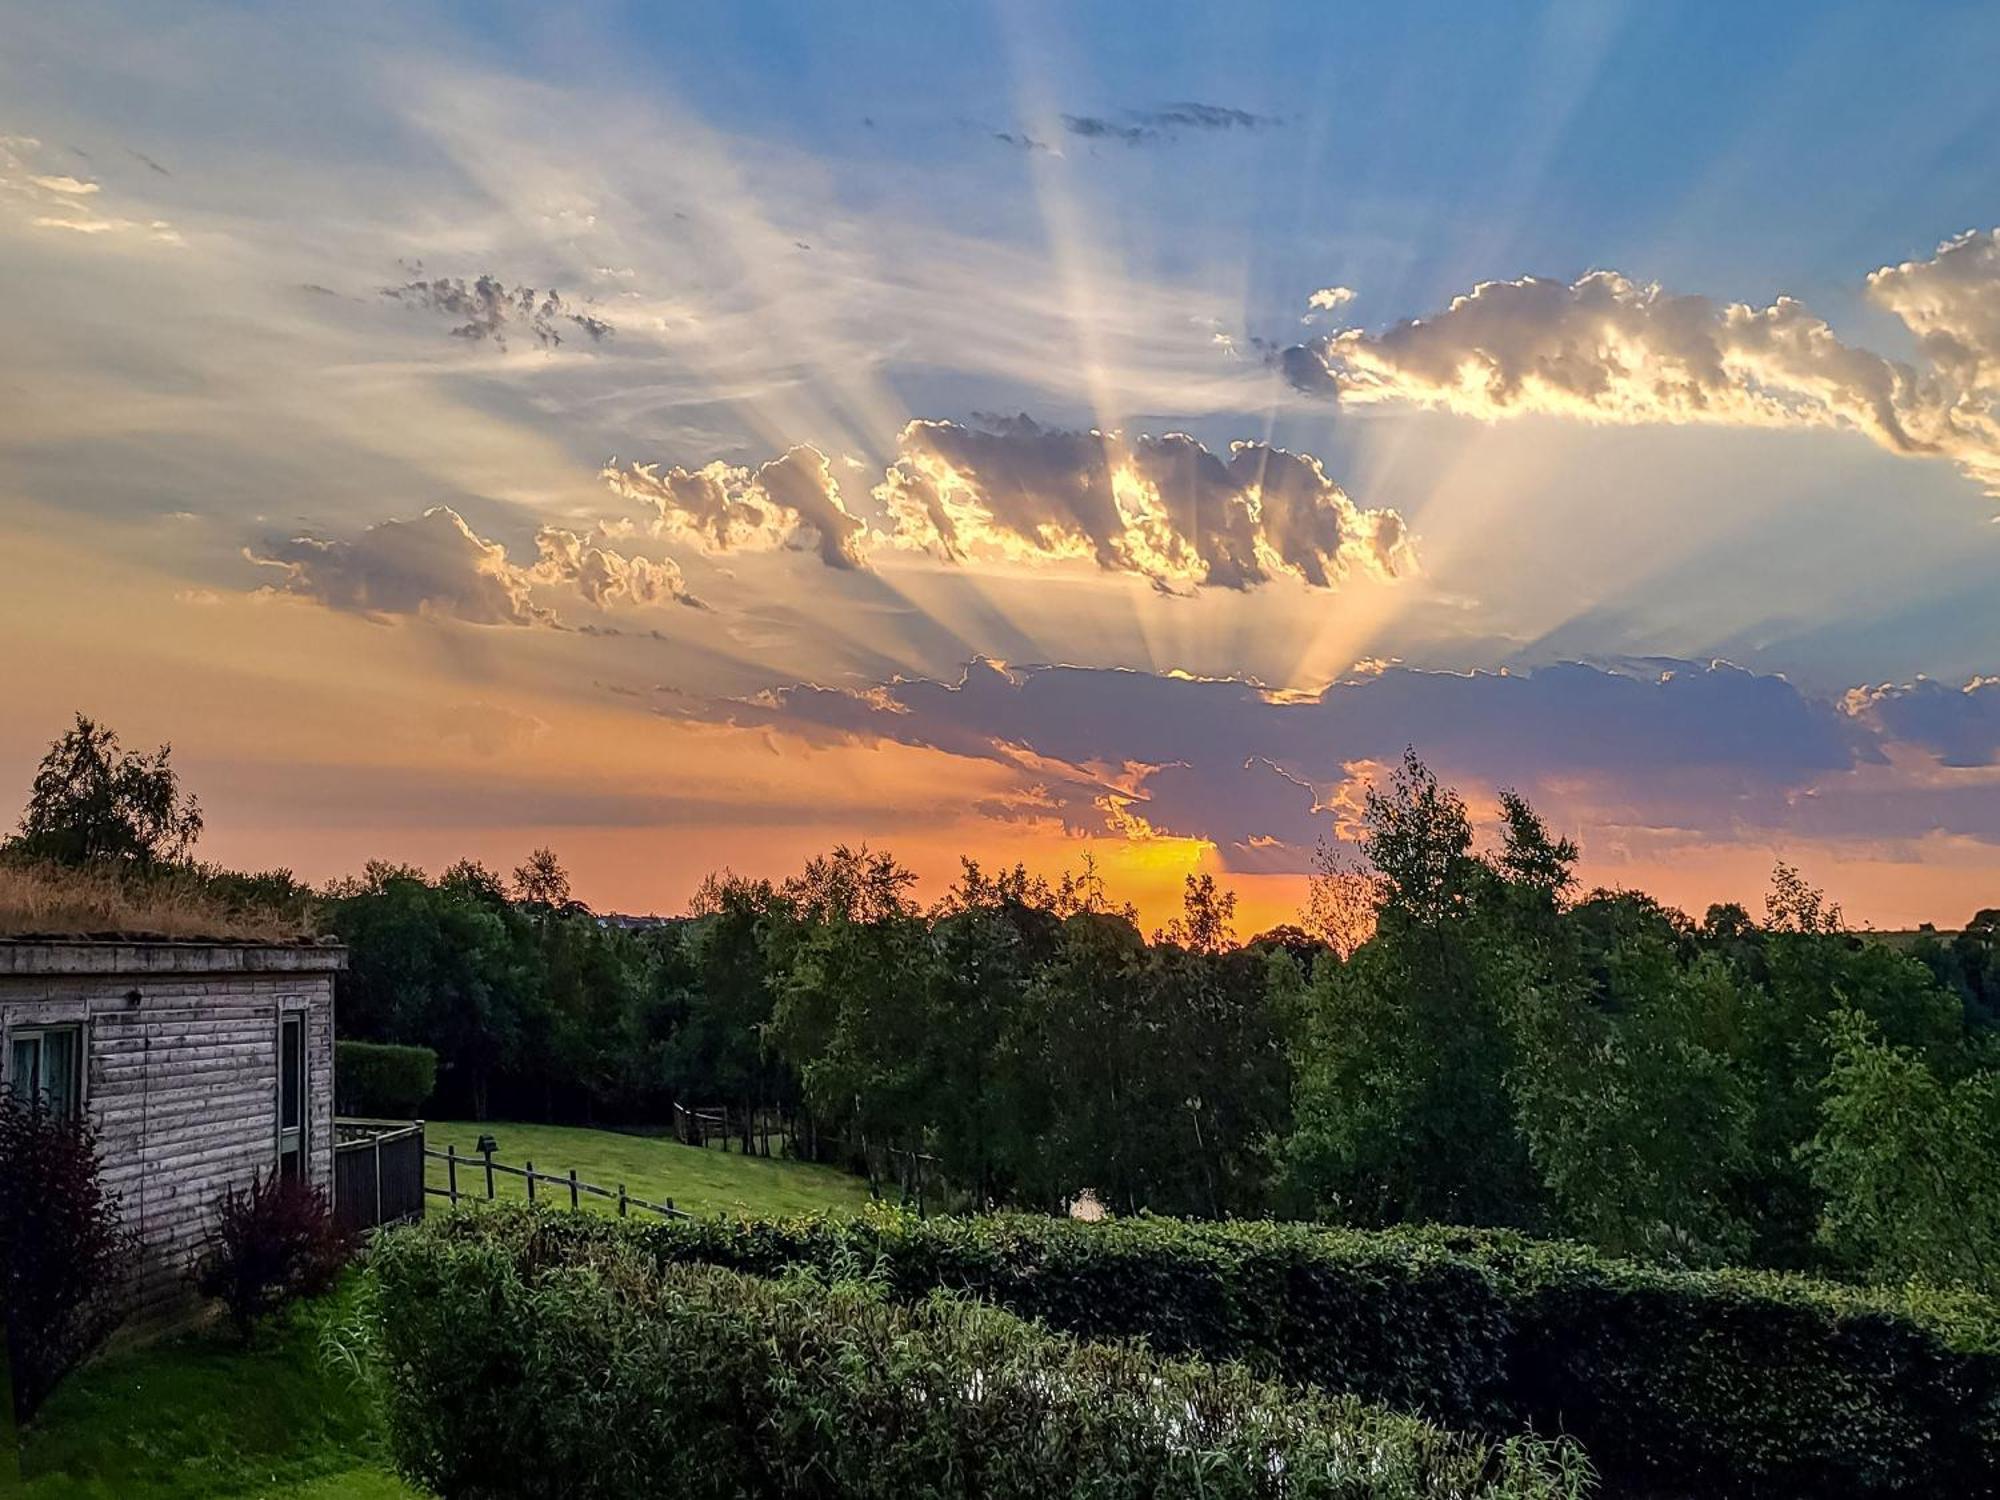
546, 388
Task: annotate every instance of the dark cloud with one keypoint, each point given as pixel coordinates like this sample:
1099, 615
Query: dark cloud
1140, 127
490, 309
1961, 726
1664, 745
1020, 140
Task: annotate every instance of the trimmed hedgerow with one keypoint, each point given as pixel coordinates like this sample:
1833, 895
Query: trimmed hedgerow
383, 1081
524, 1364
1710, 1383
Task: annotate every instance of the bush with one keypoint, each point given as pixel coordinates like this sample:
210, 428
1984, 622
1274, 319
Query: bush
63, 1257
522, 1365
1710, 1383
272, 1243
382, 1082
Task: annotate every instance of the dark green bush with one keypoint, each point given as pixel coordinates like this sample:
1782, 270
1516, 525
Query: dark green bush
1709, 1383
382, 1082
528, 1364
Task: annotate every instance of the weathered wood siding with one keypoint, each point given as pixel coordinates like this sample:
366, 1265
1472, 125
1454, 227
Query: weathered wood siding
182, 1084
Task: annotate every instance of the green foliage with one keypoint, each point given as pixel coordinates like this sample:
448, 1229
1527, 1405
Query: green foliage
529, 1365
1710, 1383
92, 802
1909, 1163
381, 1080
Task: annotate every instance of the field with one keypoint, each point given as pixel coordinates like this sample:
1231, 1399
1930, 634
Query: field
199, 1416
657, 1168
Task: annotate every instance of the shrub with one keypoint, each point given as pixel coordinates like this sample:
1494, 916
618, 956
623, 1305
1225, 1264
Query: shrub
382, 1082
63, 1257
522, 1367
1710, 1383
271, 1243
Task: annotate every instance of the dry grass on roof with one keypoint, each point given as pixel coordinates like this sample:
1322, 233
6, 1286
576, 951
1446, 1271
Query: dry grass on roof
53, 901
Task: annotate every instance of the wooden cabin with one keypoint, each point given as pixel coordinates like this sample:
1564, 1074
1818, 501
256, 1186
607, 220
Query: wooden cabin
201, 1065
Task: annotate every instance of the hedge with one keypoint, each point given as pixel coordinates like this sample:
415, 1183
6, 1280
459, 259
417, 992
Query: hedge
524, 1366
1703, 1383
382, 1082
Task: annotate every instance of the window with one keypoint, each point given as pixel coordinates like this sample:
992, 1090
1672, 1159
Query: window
45, 1064
292, 1094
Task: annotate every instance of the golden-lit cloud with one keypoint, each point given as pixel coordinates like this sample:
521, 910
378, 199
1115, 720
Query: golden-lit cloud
793, 501
1166, 509
1605, 348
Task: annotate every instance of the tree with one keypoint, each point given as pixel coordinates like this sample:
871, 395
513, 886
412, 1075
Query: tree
1909, 1164
542, 882
1341, 901
92, 802
1207, 920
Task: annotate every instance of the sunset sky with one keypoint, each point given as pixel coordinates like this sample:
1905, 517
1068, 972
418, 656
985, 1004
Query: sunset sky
691, 436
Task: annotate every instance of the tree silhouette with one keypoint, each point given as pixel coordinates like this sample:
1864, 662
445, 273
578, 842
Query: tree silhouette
93, 802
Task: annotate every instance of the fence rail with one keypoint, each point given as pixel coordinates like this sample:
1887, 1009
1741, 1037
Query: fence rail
484, 1166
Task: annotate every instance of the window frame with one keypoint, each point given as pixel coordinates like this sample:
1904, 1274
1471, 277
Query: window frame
39, 1033
299, 1149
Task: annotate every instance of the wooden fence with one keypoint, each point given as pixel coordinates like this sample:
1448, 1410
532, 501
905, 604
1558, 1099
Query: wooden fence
486, 1170
378, 1172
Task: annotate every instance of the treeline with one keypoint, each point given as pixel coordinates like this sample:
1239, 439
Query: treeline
1497, 1049
1451, 1035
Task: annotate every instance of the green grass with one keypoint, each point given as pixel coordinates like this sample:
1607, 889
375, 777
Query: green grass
698, 1179
201, 1416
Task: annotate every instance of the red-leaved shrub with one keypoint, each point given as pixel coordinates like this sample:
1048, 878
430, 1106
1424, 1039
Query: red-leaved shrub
63, 1257
273, 1242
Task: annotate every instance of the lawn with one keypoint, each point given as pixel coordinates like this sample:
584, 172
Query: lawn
200, 1416
698, 1179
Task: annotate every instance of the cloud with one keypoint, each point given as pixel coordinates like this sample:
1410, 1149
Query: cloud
1165, 508
437, 566
1684, 747
490, 309
1608, 349
1952, 303
605, 577
1140, 127
1328, 298
1961, 726
63, 202
794, 501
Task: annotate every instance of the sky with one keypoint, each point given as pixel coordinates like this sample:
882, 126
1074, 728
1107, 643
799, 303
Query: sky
690, 437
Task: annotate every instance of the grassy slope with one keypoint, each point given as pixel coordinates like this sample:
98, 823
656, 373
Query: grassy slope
700, 1180
201, 1416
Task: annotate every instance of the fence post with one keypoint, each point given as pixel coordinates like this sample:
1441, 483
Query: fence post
375, 1142
572, 1188
488, 1154
451, 1172
531, 1179
621, 1200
